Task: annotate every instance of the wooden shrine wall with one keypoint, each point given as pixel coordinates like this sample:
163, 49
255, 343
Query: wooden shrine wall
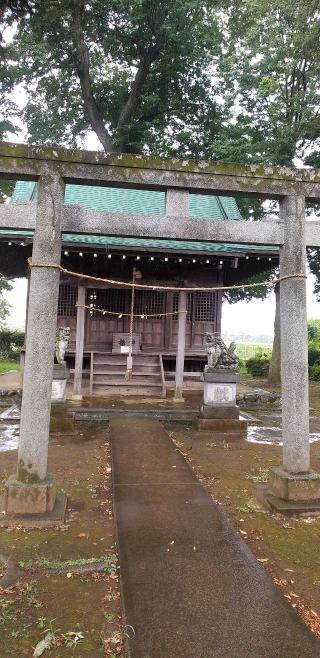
157, 331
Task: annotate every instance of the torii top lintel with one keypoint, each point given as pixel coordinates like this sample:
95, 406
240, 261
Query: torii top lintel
20, 161
177, 178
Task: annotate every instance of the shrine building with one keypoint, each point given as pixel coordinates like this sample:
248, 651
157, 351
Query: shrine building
98, 313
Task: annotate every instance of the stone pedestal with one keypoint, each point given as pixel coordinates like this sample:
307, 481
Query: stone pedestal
59, 383
291, 493
219, 411
295, 486
29, 498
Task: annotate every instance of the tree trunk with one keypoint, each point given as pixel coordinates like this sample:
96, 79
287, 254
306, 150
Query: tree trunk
274, 376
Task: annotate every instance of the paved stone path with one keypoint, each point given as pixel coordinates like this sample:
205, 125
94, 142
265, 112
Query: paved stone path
191, 587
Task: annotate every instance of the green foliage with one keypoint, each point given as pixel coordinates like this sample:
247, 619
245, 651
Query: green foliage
258, 365
314, 330
270, 67
314, 349
11, 341
5, 285
260, 292
147, 72
314, 371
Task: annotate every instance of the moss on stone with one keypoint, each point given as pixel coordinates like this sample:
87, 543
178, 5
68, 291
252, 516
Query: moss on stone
25, 475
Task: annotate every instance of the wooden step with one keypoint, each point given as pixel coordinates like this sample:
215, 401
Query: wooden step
115, 391
121, 367
122, 372
104, 380
121, 359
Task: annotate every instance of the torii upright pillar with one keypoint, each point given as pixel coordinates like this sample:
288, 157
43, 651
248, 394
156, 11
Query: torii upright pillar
294, 481
31, 491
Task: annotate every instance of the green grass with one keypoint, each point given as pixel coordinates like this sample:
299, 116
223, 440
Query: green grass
5, 366
247, 350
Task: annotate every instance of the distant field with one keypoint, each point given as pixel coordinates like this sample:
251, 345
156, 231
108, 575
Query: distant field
247, 350
5, 366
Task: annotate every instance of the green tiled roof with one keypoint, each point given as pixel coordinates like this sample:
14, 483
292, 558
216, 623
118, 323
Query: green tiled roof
112, 199
147, 243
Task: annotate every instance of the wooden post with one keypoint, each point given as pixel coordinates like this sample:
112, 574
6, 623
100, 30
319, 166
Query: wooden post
219, 296
81, 315
182, 321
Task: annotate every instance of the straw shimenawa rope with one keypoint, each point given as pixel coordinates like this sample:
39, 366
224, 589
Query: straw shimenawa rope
119, 313
146, 286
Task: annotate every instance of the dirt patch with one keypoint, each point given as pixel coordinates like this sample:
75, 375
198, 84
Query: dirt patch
68, 584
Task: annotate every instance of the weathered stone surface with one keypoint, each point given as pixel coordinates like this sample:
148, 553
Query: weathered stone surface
286, 507
224, 376
77, 219
295, 486
47, 520
59, 383
223, 425
177, 202
294, 339
209, 411
150, 171
219, 394
41, 331
220, 357
35, 498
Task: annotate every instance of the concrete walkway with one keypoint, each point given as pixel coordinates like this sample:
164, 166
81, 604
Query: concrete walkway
191, 587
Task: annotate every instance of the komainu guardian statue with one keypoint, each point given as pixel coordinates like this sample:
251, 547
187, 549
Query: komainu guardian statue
62, 342
220, 357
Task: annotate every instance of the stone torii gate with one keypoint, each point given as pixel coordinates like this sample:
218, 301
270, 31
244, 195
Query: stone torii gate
31, 490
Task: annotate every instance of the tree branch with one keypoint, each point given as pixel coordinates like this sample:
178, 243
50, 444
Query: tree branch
82, 65
146, 60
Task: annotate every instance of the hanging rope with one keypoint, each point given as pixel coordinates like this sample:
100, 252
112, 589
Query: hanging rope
146, 286
142, 316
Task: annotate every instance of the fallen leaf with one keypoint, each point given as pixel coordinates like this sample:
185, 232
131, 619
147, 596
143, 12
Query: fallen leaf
263, 560
44, 644
82, 534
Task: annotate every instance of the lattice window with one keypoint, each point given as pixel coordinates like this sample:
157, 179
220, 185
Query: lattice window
201, 306
205, 306
149, 302
67, 300
115, 300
